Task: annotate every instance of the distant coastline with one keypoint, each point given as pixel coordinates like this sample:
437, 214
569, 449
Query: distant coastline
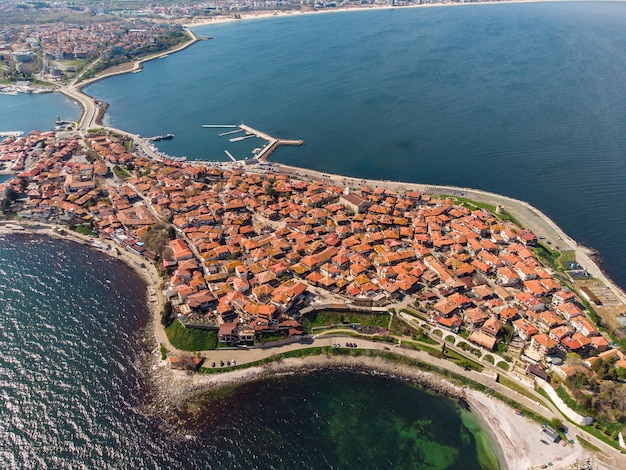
263, 14
137, 65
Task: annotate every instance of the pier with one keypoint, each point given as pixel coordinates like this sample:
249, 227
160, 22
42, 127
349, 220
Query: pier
243, 137
230, 132
272, 142
11, 134
219, 126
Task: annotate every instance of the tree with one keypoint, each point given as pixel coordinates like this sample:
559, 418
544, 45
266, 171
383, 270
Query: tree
167, 316
573, 358
11, 194
6, 205
557, 425
271, 192
157, 238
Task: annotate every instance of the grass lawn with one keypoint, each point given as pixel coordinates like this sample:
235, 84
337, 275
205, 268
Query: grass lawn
462, 361
331, 317
191, 339
513, 385
84, 230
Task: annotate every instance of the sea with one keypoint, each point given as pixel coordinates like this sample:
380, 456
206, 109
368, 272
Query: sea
527, 100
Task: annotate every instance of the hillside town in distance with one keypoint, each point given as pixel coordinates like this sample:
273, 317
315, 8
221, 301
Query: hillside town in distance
51, 42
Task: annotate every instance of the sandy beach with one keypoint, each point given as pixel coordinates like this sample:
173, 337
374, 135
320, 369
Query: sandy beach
265, 14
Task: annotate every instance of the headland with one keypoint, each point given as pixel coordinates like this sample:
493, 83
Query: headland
524, 431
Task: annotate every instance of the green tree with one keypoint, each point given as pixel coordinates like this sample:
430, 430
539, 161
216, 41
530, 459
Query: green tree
167, 315
11, 194
557, 425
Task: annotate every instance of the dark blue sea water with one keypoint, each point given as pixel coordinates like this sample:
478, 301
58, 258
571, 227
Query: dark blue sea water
26, 112
72, 396
526, 100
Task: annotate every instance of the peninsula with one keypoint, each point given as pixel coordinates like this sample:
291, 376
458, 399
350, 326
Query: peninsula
255, 268
261, 262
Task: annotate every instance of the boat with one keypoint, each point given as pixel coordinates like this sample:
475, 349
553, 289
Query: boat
156, 138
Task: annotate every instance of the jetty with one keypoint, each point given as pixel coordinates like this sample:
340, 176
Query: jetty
11, 133
220, 126
243, 137
230, 132
273, 142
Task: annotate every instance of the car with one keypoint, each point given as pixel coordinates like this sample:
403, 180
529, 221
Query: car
227, 363
347, 345
221, 363
234, 362
354, 345
386, 348
213, 364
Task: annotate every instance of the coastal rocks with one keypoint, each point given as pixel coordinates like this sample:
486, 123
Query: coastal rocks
171, 388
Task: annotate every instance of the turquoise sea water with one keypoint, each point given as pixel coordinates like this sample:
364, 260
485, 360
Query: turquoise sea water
526, 100
72, 396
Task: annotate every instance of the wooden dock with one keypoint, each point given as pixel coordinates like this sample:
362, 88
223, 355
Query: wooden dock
11, 133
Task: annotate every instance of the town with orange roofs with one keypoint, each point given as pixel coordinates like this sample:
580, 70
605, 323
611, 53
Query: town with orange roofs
252, 247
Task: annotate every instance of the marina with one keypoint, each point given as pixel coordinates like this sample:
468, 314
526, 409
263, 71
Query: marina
237, 139
230, 132
157, 153
219, 126
261, 154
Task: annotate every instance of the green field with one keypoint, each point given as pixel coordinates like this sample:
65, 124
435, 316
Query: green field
191, 339
329, 317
